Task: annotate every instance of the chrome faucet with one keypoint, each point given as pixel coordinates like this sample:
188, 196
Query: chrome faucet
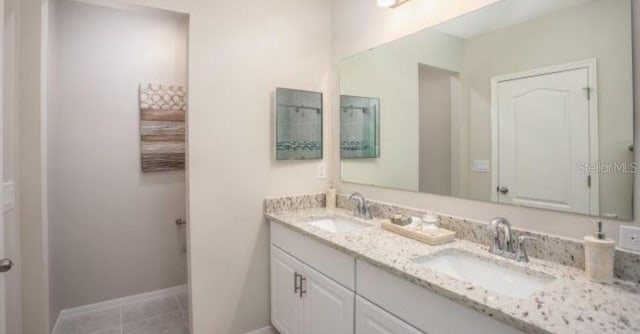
362, 209
505, 248
496, 247
521, 255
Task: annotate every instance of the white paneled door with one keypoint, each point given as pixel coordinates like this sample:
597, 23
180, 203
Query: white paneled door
544, 136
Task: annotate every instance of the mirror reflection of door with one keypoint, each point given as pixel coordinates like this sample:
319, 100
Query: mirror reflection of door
543, 135
438, 89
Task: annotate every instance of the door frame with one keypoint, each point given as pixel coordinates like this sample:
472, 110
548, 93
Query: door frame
592, 67
4, 305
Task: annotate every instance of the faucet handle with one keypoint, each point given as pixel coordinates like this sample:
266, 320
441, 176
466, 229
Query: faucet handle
356, 195
366, 211
494, 246
521, 255
358, 198
362, 208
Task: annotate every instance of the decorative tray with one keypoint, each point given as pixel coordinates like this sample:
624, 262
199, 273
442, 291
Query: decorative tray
438, 237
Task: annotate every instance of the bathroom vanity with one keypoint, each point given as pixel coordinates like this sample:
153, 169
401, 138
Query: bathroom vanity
333, 273
516, 103
318, 289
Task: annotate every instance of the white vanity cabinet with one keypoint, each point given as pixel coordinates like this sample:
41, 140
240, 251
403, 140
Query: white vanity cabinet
313, 291
328, 306
306, 301
312, 285
286, 304
427, 311
370, 319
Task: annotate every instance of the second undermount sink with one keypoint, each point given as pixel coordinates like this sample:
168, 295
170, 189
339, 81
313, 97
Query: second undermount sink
337, 224
503, 279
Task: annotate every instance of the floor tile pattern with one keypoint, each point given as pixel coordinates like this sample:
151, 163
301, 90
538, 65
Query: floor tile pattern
161, 315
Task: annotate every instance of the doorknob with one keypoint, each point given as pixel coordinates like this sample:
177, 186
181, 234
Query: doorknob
503, 190
180, 222
5, 265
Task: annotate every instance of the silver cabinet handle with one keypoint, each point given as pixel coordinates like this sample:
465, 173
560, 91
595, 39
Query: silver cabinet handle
302, 290
181, 222
5, 265
298, 281
295, 282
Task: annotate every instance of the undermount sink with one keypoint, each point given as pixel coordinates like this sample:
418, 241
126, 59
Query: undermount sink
504, 279
337, 224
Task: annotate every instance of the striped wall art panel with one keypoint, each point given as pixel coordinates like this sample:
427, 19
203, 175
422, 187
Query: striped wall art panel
162, 127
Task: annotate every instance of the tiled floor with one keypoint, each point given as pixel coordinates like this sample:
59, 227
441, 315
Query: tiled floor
164, 315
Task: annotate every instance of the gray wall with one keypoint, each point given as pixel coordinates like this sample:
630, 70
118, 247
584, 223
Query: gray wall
111, 226
31, 192
10, 167
370, 74
435, 92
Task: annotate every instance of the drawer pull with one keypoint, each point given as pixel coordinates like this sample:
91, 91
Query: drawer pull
296, 287
302, 290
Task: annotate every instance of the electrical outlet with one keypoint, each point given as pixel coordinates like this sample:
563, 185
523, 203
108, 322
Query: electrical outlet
322, 170
630, 238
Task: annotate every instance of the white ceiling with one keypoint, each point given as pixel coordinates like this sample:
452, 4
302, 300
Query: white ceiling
502, 14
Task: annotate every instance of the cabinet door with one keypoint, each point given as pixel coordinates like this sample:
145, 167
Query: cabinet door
286, 304
328, 306
370, 319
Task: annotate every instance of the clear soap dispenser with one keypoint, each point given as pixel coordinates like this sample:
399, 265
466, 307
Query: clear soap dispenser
599, 256
330, 199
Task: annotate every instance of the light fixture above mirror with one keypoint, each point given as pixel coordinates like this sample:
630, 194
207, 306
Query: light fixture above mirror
391, 3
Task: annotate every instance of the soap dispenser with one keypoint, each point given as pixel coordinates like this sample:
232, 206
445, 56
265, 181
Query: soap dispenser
599, 256
330, 199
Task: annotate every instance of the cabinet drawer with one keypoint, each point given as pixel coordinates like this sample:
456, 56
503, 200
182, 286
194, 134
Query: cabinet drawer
330, 262
370, 319
421, 308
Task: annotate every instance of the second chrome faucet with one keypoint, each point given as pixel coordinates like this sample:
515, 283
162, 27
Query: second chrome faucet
505, 248
362, 209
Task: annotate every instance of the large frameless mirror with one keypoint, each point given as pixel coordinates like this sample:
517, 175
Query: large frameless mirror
528, 103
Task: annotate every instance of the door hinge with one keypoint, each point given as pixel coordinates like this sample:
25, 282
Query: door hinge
589, 181
588, 91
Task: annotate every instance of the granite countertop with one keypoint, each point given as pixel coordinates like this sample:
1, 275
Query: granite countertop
569, 304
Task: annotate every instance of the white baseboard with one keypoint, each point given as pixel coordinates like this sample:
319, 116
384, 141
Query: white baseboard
264, 330
109, 304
